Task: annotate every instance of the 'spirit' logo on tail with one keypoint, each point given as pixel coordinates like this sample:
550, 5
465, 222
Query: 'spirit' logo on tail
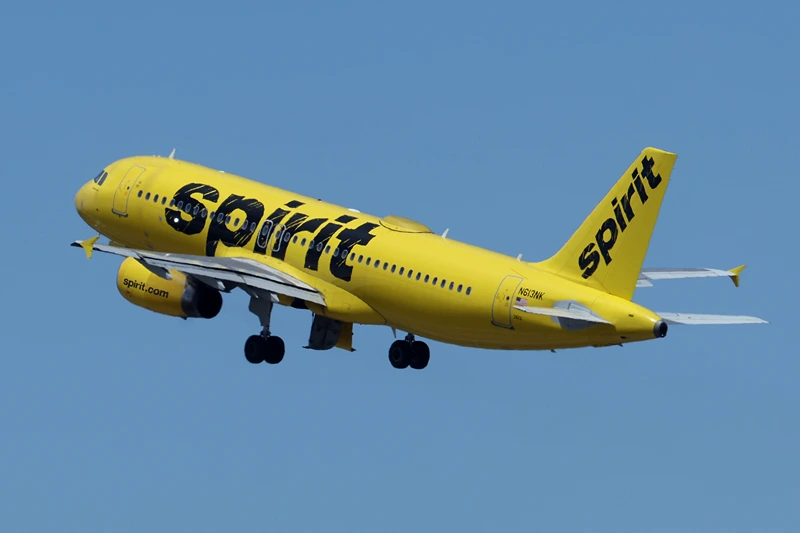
606, 236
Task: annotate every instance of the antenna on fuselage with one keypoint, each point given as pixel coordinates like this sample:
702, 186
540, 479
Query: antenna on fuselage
519, 257
444, 235
172, 154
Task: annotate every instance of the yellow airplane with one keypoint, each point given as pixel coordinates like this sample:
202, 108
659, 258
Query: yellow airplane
190, 233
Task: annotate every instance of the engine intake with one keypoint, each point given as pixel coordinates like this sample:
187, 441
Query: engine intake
172, 297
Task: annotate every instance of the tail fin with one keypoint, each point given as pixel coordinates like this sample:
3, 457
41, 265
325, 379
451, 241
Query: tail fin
608, 249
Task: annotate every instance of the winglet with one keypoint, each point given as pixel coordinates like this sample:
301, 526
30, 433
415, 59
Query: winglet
87, 245
735, 274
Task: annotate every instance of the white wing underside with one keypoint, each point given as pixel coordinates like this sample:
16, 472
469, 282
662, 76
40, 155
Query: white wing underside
648, 275
220, 272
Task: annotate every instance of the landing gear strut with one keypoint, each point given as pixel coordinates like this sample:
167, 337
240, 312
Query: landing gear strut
409, 352
263, 347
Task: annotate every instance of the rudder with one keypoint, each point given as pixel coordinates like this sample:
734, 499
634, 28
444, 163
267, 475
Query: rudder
608, 249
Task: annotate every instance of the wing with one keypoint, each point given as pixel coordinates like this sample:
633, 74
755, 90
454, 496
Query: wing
648, 275
700, 320
222, 273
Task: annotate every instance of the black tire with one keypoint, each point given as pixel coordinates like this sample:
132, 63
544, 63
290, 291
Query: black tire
275, 349
254, 349
420, 355
400, 354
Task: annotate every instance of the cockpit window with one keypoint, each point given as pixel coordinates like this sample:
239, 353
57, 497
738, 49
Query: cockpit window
100, 178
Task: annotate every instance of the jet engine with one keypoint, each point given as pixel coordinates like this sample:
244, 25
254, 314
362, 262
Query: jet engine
178, 296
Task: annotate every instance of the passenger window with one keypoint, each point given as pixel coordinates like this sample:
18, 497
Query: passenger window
155, 198
163, 200
451, 285
220, 218
188, 207
385, 266
427, 277
336, 253
228, 219
287, 237
319, 247
434, 281
360, 258
377, 263
235, 222
469, 290
203, 213
147, 196
409, 273
172, 203
401, 271
418, 275
328, 250
459, 288
139, 195
302, 243
393, 267
252, 227
294, 241
444, 282
266, 227
196, 209
180, 205
352, 257
369, 259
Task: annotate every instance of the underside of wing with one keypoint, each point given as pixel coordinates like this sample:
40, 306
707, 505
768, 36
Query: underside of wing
648, 275
698, 320
222, 273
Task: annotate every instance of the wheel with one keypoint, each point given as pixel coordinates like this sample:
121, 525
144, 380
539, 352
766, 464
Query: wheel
400, 354
254, 349
420, 355
275, 348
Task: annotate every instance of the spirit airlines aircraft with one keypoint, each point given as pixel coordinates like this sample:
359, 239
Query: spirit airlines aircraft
190, 233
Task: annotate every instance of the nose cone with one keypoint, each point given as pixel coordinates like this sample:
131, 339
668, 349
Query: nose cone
84, 200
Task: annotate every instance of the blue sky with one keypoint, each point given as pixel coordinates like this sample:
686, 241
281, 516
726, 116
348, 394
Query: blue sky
113, 418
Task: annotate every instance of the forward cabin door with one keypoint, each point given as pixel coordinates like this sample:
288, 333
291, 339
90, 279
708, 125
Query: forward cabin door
124, 190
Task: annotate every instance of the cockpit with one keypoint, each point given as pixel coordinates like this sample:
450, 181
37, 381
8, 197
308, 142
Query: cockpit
100, 178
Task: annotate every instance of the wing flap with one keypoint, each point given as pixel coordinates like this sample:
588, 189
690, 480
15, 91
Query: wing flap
703, 320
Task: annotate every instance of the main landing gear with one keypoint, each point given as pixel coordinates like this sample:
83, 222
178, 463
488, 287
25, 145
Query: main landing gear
409, 352
263, 347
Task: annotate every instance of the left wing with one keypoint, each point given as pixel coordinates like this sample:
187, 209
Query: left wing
701, 320
649, 274
217, 272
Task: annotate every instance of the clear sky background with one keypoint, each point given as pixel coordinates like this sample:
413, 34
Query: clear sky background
505, 122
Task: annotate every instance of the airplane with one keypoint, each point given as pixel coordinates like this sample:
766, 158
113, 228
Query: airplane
190, 234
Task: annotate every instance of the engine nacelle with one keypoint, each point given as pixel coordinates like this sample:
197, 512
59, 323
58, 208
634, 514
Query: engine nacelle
174, 297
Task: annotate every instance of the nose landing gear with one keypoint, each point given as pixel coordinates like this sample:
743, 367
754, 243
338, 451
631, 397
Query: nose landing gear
409, 352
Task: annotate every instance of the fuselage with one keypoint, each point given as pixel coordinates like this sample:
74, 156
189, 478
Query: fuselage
411, 279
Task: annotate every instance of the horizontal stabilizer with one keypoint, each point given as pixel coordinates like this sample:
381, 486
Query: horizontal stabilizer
702, 320
650, 274
572, 311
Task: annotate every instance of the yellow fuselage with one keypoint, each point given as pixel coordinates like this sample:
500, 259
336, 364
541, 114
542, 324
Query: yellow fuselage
408, 277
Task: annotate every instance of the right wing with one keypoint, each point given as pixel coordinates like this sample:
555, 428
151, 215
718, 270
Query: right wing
650, 274
218, 272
